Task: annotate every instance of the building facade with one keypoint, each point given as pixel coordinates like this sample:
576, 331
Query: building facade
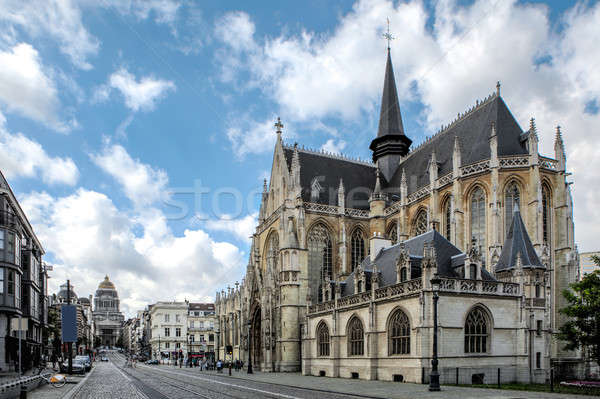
108, 319
23, 284
586, 264
201, 321
169, 333
323, 215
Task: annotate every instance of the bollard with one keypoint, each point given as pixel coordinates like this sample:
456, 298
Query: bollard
551, 379
457, 376
499, 386
23, 393
229, 368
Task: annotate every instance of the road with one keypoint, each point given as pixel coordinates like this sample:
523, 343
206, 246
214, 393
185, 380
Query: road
112, 380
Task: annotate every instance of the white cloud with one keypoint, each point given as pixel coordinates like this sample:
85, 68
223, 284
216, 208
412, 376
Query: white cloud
58, 19
163, 11
26, 87
445, 61
139, 94
334, 147
21, 156
251, 137
142, 184
242, 228
87, 236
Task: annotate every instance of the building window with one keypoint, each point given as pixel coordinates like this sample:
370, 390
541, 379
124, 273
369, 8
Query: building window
357, 337
167, 332
273, 252
192, 324
211, 338
538, 329
546, 212
167, 345
403, 274
538, 360
1, 280
447, 218
476, 332
357, 248
319, 257
178, 332
472, 271
392, 233
478, 228
192, 338
166, 318
1, 239
538, 291
178, 345
399, 334
420, 224
323, 339
511, 200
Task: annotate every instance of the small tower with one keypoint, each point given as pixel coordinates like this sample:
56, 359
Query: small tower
391, 144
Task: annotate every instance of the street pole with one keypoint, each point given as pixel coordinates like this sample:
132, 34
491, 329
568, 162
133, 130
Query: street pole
250, 348
434, 377
70, 344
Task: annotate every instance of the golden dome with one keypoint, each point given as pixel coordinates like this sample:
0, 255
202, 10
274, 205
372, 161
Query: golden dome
106, 284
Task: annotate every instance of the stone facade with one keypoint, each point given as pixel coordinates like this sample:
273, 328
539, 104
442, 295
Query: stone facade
168, 329
322, 215
108, 319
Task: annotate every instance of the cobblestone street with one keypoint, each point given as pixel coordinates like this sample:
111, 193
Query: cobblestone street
112, 380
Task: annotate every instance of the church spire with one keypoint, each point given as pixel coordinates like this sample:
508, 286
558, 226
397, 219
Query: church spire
391, 144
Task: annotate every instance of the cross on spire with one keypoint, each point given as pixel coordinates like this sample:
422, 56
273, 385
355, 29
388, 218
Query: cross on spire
387, 35
278, 126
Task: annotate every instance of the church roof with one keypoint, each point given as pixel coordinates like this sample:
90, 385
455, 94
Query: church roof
473, 132
327, 170
448, 258
390, 118
106, 284
518, 244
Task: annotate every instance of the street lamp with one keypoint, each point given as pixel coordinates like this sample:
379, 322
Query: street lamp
434, 377
250, 347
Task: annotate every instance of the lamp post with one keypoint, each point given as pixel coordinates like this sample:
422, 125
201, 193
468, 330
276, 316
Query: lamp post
434, 377
159, 352
250, 347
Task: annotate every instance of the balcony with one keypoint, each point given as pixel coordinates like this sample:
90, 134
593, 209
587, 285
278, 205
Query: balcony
9, 219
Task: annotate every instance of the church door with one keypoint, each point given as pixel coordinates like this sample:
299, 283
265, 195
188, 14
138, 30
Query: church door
257, 340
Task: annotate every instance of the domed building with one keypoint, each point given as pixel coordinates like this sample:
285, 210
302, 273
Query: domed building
107, 316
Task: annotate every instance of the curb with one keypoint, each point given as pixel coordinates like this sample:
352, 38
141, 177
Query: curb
77, 387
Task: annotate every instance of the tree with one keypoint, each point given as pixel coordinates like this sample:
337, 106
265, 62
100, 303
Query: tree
582, 330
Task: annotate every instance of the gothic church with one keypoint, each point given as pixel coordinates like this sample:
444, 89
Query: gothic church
339, 279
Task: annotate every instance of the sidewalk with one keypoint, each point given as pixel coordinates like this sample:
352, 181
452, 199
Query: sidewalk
380, 389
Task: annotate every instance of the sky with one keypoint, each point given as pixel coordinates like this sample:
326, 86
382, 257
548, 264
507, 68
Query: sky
136, 133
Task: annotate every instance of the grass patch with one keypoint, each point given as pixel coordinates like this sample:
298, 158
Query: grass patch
538, 388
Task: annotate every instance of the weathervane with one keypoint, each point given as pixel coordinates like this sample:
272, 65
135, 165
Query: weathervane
388, 36
278, 125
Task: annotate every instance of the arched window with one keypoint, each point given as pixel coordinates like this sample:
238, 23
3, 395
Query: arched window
420, 225
319, 257
356, 334
476, 332
392, 233
403, 274
399, 333
511, 199
357, 248
473, 271
546, 212
323, 339
273, 252
447, 218
478, 229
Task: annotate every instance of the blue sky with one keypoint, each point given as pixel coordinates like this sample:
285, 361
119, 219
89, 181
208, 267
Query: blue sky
113, 111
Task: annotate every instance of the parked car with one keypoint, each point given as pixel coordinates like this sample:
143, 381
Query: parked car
85, 360
78, 367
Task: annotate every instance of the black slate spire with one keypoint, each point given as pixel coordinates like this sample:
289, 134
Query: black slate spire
518, 244
391, 143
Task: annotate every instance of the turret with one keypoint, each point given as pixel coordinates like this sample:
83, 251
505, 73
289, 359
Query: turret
559, 150
391, 144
